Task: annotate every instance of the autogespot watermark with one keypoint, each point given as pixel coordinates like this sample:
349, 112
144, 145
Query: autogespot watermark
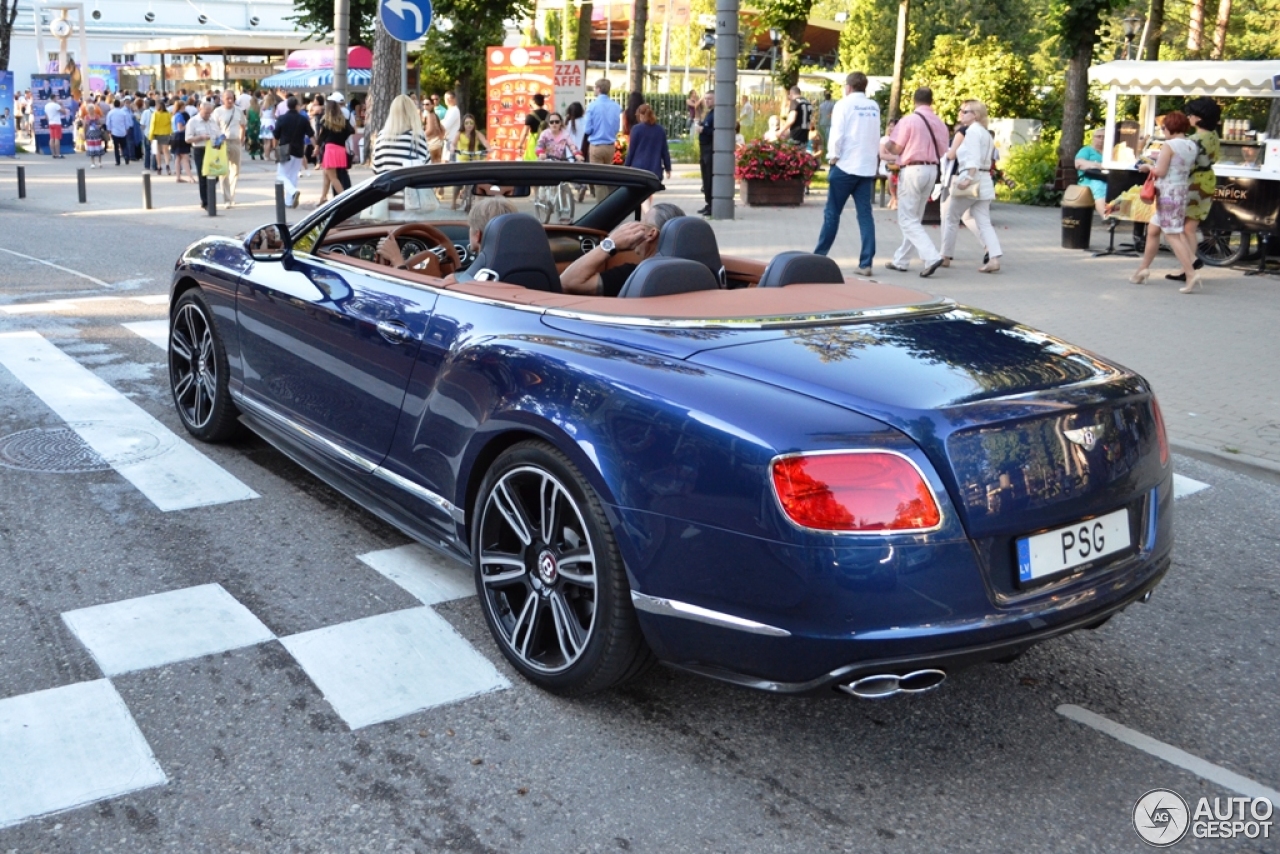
1162, 818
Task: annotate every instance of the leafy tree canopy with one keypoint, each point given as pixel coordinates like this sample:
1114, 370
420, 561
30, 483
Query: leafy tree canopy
316, 17
987, 70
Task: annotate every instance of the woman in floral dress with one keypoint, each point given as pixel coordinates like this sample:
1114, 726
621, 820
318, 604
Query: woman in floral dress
1204, 115
1173, 173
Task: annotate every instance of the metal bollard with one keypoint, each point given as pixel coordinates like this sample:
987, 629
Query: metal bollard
280, 206
213, 196
22, 182
146, 191
84, 193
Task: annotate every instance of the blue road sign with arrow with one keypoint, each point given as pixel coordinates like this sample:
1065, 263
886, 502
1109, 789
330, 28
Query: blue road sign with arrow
405, 20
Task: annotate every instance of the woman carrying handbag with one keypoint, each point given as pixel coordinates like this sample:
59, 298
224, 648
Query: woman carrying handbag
1172, 172
972, 190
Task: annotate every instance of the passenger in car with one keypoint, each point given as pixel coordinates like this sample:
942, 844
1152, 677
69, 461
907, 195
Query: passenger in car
590, 275
482, 212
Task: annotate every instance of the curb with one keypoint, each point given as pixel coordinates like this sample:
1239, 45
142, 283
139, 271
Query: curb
1243, 463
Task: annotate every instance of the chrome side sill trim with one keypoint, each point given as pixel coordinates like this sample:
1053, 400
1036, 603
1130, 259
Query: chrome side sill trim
366, 465
333, 448
672, 608
422, 493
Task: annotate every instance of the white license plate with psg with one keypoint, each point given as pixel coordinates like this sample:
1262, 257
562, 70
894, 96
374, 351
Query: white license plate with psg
1072, 545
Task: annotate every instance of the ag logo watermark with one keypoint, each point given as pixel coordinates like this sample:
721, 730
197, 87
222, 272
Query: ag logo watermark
1162, 818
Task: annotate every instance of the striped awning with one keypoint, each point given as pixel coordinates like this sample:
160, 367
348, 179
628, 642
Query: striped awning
317, 78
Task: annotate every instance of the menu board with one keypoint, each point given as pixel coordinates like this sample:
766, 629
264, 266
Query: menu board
515, 75
8, 116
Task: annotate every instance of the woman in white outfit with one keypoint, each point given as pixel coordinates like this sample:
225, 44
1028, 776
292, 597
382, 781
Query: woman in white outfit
973, 165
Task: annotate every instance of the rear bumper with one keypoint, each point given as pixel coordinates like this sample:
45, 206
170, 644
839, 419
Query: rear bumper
949, 659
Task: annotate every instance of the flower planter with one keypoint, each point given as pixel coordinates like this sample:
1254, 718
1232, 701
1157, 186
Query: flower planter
757, 192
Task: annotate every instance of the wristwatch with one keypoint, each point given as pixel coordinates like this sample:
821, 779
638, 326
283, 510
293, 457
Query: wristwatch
610, 248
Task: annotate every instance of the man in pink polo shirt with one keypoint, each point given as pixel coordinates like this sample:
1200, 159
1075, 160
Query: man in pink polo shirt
919, 141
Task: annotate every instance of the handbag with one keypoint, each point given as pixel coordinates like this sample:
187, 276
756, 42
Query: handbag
1148, 192
969, 192
215, 161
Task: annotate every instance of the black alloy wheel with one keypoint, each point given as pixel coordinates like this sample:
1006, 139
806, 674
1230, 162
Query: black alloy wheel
550, 578
198, 371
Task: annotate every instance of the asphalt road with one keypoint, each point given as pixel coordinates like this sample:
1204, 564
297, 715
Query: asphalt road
242, 751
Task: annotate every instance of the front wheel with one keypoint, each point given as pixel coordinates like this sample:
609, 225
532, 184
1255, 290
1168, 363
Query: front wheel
549, 575
198, 373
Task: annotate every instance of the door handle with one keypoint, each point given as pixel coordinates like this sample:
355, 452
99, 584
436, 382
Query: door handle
393, 331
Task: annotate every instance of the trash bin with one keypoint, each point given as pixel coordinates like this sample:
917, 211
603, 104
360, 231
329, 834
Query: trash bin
1077, 217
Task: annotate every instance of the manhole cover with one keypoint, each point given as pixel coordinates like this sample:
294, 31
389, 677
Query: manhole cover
60, 450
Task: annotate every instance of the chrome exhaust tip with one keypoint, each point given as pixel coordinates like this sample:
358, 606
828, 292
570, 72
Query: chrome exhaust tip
882, 685
1146, 597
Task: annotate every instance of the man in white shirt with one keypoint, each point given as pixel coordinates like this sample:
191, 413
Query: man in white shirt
452, 124
53, 111
243, 100
854, 146
231, 122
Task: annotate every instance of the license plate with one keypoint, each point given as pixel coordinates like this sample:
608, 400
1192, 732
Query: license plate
1072, 545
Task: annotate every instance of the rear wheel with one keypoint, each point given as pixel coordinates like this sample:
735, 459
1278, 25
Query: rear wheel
198, 374
549, 575
1223, 247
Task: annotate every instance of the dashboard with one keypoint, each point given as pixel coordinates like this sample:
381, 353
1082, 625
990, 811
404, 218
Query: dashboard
568, 243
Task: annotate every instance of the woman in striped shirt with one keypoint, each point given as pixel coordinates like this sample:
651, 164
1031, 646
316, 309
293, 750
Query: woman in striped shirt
401, 142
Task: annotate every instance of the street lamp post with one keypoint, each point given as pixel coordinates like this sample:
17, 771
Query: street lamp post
1132, 24
775, 39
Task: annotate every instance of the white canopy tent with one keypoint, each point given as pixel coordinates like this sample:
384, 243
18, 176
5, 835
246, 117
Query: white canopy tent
1234, 79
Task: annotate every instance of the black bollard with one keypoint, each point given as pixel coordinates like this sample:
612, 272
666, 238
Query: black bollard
22, 182
280, 207
146, 191
84, 193
213, 196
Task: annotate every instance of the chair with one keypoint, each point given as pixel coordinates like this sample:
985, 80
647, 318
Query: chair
790, 268
658, 277
691, 238
514, 249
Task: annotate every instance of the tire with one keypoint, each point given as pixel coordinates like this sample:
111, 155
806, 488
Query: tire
198, 373
1222, 247
550, 579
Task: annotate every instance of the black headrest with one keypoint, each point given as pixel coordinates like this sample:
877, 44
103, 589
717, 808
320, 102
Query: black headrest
514, 249
691, 238
657, 277
789, 268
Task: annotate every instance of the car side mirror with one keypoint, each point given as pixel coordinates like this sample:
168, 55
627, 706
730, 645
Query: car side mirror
268, 243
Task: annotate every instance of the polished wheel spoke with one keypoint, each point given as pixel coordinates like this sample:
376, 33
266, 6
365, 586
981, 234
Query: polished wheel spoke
569, 633
180, 344
512, 511
583, 562
527, 621
515, 562
183, 385
548, 510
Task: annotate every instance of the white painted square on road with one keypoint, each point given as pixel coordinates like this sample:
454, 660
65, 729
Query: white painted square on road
429, 576
70, 746
172, 475
1184, 486
381, 668
155, 331
165, 627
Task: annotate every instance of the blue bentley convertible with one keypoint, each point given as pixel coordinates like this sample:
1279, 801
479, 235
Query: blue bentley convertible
757, 470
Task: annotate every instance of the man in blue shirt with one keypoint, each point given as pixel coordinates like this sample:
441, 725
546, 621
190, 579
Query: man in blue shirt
604, 117
119, 120
706, 147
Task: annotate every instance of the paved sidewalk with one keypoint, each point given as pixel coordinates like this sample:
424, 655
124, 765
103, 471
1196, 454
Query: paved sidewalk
1210, 355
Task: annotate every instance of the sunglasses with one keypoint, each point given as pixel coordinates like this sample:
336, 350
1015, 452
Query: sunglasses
554, 122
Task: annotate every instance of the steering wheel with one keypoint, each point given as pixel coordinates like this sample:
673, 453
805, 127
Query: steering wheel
440, 260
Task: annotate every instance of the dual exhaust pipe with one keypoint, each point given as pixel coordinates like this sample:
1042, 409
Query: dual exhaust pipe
880, 686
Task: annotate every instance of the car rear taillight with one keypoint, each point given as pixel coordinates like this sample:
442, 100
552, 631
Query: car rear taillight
868, 492
1160, 434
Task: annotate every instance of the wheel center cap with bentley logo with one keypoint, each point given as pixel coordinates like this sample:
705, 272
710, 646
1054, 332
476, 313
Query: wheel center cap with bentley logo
548, 570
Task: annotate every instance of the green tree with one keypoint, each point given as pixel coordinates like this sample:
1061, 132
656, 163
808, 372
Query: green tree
316, 17
986, 70
790, 17
1077, 30
8, 14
